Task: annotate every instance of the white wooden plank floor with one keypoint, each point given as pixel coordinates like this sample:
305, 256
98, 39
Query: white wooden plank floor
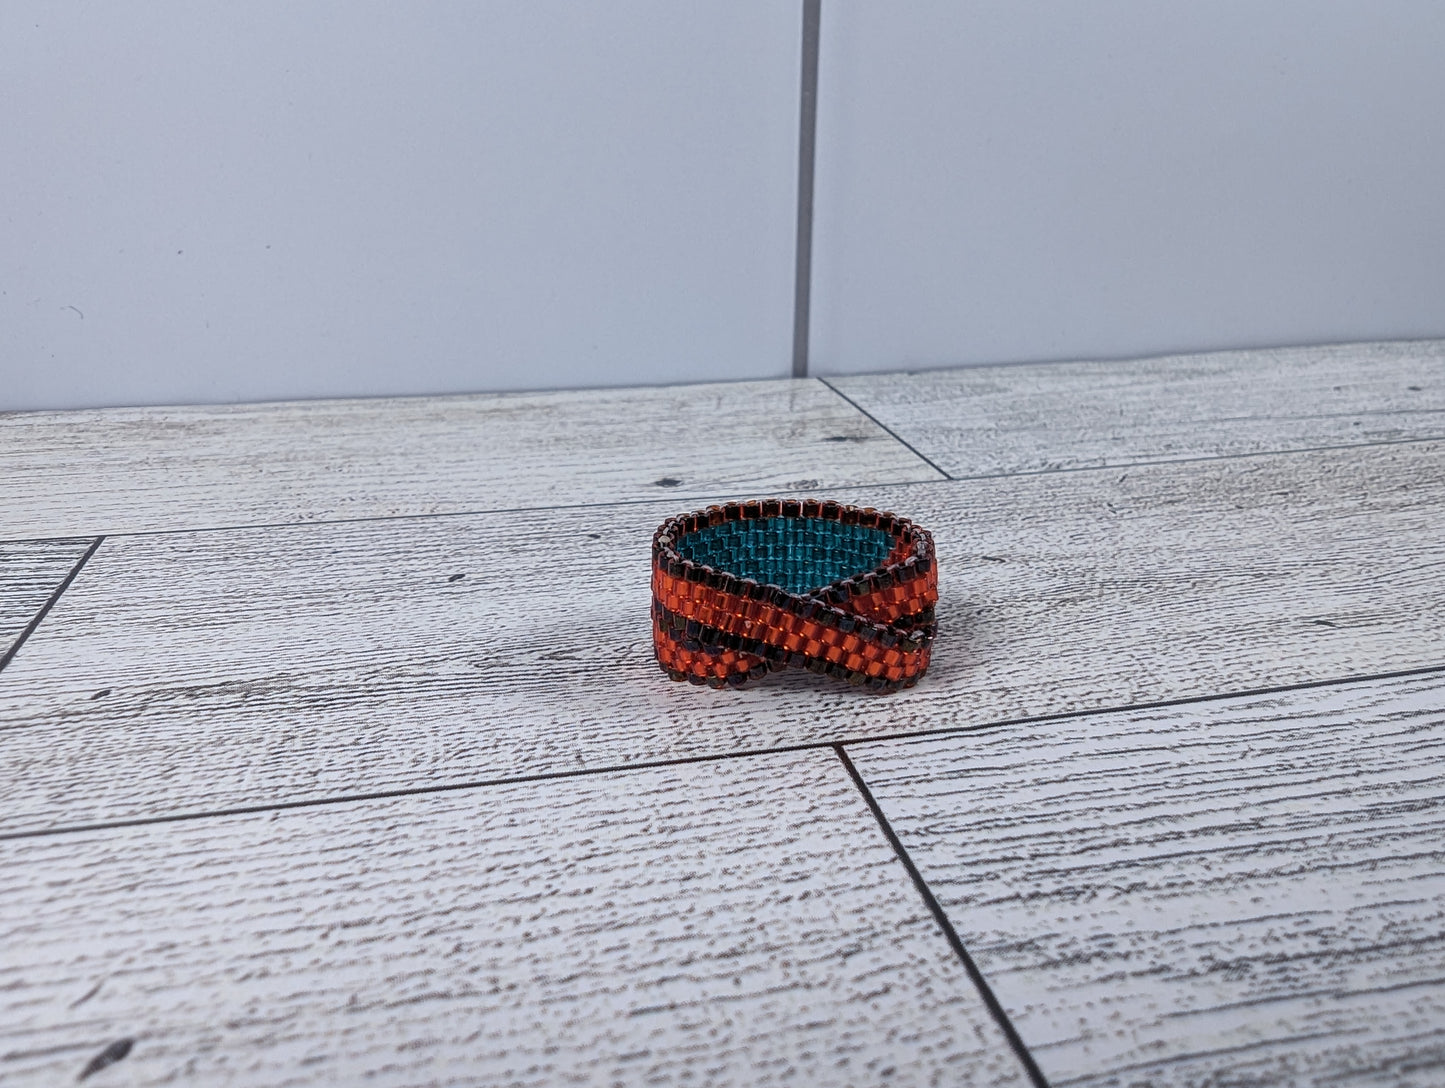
130, 470
312, 662
739, 923
1235, 892
989, 420
343, 755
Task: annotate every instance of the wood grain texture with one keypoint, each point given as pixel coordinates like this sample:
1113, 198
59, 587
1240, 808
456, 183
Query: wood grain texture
731, 923
144, 469
255, 666
30, 571
979, 421
1243, 892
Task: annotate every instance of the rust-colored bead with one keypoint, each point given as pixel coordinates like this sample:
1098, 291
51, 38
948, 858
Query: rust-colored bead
721, 621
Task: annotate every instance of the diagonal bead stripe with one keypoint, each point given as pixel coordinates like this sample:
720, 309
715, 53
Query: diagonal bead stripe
747, 588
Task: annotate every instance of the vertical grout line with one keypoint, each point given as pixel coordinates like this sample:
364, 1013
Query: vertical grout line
9, 655
985, 991
807, 143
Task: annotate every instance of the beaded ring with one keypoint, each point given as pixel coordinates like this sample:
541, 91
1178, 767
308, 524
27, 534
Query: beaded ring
748, 588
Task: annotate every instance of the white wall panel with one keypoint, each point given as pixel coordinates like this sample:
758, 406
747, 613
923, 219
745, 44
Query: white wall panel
1045, 179
211, 202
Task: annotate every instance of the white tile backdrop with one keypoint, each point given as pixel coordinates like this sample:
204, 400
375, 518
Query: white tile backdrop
208, 202
1050, 180
211, 201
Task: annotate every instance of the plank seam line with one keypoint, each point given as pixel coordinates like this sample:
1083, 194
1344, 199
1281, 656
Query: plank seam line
9, 655
705, 497
1205, 459
889, 430
990, 1000
70, 539
709, 757
690, 497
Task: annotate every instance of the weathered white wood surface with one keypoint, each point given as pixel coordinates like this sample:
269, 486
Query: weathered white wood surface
30, 571
143, 469
730, 923
1248, 891
978, 421
198, 672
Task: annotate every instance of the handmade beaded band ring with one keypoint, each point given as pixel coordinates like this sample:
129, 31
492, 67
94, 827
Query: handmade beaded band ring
747, 588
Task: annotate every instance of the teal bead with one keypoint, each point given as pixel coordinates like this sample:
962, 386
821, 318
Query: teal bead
799, 554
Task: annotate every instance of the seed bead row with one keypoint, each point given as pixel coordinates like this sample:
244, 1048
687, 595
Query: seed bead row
872, 628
